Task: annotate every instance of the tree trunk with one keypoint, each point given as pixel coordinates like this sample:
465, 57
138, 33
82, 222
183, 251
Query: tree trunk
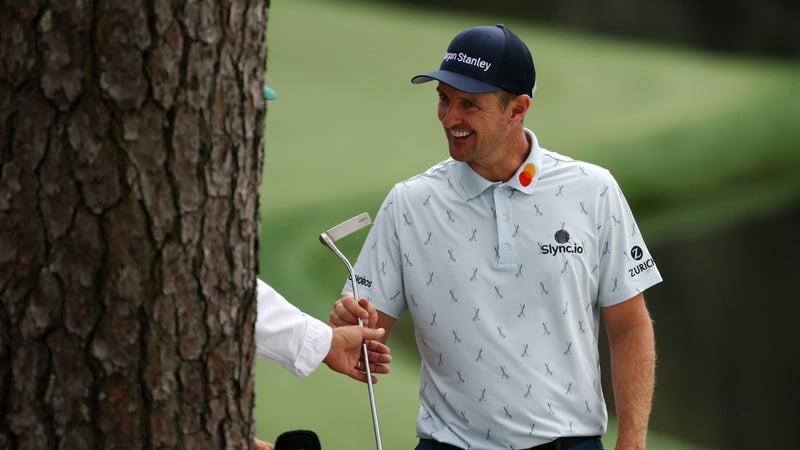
130, 161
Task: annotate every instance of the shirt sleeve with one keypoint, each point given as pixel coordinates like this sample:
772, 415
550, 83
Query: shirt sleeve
288, 336
626, 266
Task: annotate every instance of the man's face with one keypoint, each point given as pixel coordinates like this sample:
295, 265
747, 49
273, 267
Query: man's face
476, 125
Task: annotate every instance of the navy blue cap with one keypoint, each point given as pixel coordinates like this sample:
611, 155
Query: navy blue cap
485, 59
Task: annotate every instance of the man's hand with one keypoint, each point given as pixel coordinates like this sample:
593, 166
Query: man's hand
346, 357
261, 445
346, 311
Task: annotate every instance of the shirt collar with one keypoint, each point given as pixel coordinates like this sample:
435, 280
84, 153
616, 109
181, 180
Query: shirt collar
528, 173
524, 180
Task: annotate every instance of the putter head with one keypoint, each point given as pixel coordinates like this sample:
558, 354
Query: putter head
346, 228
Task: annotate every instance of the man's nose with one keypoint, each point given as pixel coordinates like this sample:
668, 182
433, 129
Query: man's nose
449, 116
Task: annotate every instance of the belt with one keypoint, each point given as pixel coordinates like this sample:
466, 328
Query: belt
566, 443
563, 443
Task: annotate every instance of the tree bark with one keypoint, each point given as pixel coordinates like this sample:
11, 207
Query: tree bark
130, 160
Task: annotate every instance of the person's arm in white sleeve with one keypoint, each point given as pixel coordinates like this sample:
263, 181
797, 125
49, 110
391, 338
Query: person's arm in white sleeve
288, 336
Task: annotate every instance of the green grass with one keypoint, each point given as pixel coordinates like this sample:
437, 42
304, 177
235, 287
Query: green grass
696, 141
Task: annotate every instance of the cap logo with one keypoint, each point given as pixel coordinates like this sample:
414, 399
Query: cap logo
466, 59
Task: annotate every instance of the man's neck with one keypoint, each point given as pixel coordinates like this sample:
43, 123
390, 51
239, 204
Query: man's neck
512, 158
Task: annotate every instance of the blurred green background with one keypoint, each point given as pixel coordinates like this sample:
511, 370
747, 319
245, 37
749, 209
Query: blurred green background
702, 144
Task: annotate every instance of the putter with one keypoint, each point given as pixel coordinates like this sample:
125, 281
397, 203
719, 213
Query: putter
328, 239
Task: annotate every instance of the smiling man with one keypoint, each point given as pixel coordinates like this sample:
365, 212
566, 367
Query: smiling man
507, 255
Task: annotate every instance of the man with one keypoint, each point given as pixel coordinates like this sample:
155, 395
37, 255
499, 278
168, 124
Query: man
299, 342
506, 255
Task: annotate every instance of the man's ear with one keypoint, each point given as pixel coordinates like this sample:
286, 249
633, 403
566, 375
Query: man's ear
519, 107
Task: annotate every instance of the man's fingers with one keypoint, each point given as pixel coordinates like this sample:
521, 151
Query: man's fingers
377, 362
361, 374
380, 358
341, 315
379, 352
346, 311
374, 368
379, 368
371, 334
369, 314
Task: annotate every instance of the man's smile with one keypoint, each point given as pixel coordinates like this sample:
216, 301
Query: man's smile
460, 133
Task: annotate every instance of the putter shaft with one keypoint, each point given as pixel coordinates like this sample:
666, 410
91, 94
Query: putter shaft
328, 239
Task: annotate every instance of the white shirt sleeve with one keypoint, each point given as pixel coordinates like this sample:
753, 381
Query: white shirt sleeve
288, 336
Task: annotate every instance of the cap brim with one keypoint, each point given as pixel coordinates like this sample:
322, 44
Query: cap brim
458, 81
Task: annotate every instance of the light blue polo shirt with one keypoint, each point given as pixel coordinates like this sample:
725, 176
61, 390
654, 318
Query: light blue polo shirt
504, 282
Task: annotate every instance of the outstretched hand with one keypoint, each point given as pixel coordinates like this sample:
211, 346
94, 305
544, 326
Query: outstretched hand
346, 356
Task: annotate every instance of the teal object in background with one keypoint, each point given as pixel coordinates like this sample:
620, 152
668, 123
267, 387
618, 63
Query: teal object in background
270, 93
